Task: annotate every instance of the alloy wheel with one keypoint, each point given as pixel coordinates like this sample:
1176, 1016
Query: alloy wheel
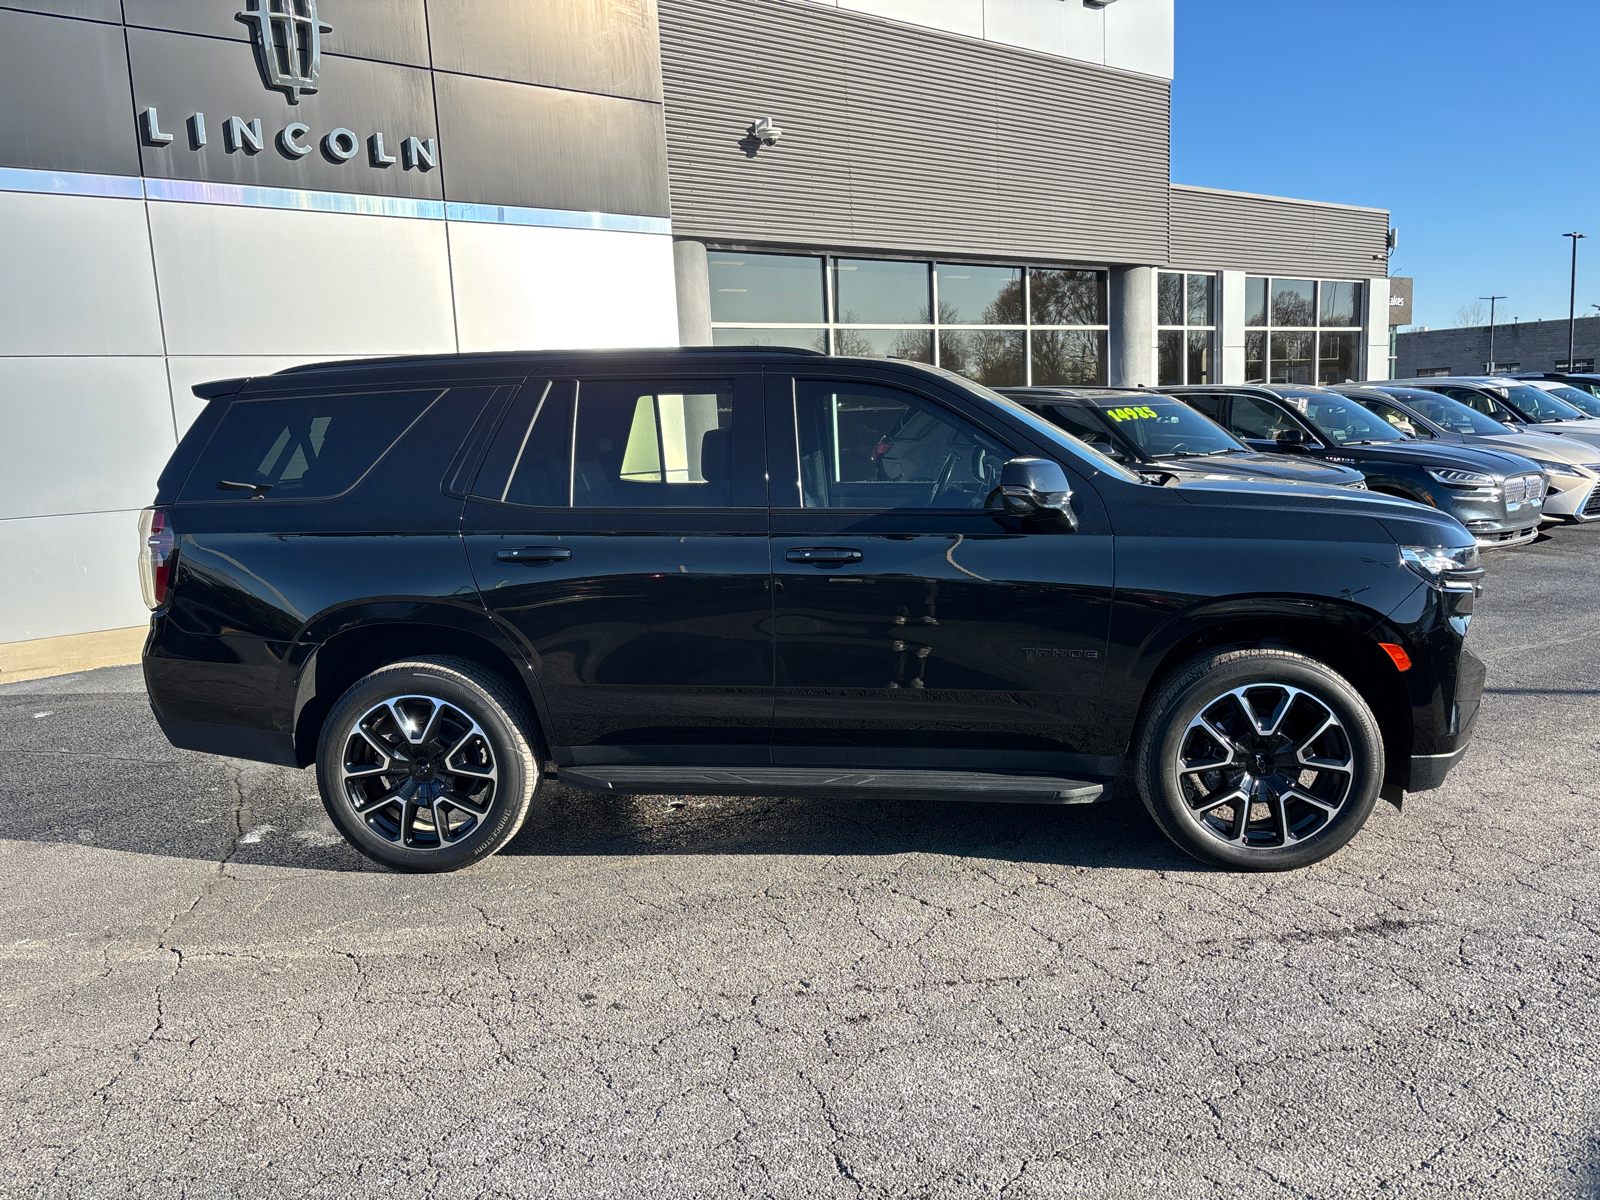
419, 772
1265, 766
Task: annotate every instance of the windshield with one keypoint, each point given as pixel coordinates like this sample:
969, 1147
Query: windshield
1341, 420
1536, 405
1052, 434
1451, 414
1577, 397
1168, 429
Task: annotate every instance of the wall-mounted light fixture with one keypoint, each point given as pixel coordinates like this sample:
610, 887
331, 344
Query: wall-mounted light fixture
766, 131
1097, 3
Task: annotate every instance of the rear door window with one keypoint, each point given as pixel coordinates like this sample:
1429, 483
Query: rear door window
1258, 419
302, 448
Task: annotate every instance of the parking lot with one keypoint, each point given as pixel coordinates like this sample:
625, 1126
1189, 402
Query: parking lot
205, 993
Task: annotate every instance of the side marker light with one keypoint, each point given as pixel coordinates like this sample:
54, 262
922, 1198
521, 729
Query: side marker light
1402, 660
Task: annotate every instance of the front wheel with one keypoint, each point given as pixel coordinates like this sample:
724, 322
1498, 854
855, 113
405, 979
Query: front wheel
426, 765
1259, 760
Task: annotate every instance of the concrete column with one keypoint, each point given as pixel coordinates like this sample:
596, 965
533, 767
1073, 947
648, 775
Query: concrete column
1376, 321
692, 276
1133, 327
1230, 327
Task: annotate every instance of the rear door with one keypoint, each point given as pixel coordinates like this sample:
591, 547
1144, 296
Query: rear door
618, 528
915, 627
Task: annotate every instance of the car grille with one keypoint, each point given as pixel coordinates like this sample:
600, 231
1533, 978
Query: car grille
1524, 488
1510, 535
1591, 507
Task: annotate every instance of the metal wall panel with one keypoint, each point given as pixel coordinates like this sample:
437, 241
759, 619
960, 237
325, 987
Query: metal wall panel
605, 46
64, 96
181, 74
76, 277
238, 281
70, 575
551, 149
1227, 230
391, 31
97, 433
1013, 154
518, 288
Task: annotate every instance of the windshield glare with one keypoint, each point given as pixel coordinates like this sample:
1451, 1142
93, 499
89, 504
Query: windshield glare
1577, 397
1343, 421
1451, 414
1168, 429
1535, 404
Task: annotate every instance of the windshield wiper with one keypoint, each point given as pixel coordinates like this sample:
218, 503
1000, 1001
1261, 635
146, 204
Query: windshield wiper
1194, 453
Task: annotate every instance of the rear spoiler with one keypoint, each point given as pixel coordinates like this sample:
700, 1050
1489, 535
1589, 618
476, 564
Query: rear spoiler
220, 387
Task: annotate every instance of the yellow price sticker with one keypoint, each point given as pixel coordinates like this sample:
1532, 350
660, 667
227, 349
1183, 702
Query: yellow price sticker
1132, 414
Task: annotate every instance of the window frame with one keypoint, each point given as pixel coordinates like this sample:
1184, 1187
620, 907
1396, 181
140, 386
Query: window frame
1187, 329
1317, 330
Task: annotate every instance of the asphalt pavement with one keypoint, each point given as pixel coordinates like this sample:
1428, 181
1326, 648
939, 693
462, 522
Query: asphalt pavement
204, 993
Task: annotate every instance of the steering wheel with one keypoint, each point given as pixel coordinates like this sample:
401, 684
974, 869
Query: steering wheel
944, 478
1178, 449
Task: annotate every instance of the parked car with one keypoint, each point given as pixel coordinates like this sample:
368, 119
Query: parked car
1585, 402
768, 572
1587, 383
1571, 467
1530, 408
1497, 495
1161, 438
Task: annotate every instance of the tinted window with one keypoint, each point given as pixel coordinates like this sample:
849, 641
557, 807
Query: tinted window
1081, 425
303, 449
1451, 414
874, 447
1252, 418
1400, 420
1472, 399
530, 459
1164, 428
1342, 420
639, 445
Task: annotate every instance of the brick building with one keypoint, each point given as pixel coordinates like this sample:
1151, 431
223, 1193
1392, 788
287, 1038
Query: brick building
1528, 346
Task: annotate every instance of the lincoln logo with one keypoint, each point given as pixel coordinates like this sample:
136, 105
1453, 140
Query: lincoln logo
288, 40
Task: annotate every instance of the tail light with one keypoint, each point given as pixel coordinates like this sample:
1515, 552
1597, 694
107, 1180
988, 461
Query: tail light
159, 543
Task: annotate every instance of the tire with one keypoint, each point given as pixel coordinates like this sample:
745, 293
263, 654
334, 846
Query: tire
1244, 723
427, 765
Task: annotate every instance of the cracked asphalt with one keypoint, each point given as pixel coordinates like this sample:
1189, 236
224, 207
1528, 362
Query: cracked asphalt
204, 993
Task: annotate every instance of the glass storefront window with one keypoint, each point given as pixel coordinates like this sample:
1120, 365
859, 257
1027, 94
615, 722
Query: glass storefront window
800, 339
980, 295
973, 319
1186, 308
766, 288
913, 344
878, 292
994, 357
1313, 331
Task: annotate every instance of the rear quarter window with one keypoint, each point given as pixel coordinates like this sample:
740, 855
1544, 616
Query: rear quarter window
302, 448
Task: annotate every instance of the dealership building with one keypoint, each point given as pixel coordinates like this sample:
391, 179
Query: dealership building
201, 189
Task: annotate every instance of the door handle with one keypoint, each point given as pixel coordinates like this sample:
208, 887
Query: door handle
823, 556
535, 556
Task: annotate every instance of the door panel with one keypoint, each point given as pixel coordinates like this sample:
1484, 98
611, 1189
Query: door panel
646, 605
925, 634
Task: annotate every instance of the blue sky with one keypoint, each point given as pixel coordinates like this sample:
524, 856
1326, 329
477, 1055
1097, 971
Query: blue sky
1477, 124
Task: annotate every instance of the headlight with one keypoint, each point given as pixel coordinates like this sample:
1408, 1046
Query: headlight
1555, 468
1453, 567
1462, 478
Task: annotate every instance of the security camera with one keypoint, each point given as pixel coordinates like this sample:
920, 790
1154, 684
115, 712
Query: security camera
766, 131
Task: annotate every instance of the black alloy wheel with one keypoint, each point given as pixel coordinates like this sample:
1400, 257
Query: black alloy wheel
426, 765
1259, 760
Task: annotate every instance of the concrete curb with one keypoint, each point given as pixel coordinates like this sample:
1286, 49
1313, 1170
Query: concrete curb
43, 657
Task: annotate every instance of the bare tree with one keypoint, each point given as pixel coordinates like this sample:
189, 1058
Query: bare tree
1469, 315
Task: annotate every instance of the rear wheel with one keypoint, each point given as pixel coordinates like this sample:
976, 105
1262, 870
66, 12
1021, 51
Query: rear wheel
1259, 760
426, 765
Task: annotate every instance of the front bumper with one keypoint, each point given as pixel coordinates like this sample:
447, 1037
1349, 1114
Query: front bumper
1577, 499
1507, 538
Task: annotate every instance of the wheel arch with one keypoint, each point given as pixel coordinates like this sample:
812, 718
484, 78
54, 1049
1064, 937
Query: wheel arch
1342, 646
346, 656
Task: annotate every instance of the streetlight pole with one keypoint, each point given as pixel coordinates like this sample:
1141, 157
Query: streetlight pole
1492, 301
1572, 309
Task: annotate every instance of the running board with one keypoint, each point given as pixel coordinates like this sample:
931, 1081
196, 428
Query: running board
987, 786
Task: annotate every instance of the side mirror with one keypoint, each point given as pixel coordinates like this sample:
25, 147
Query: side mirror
1035, 487
1290, 437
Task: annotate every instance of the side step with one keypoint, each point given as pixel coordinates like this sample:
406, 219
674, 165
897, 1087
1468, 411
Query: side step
989, 786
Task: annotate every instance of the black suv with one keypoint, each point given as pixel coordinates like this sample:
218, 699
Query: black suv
1498, 495
771, 572
1159, 437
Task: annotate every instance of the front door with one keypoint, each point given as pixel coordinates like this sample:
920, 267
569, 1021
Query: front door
914, 626
618, 529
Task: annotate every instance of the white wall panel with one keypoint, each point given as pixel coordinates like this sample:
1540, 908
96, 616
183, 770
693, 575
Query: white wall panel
73, 574
957, 16
1033, 24
1377, 323
253, 281
524, 288
76, 277
186, 372
87, 434
1139, 36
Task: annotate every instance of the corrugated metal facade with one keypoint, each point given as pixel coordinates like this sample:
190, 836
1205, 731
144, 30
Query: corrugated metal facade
903, 138
1230, 231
